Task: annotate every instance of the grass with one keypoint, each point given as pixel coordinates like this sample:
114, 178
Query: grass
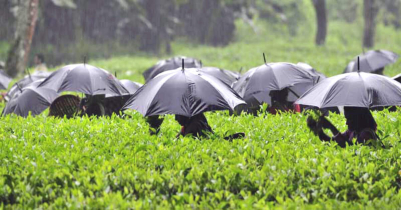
113, 163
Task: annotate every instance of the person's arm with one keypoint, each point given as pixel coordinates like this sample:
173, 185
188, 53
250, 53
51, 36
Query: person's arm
327, 124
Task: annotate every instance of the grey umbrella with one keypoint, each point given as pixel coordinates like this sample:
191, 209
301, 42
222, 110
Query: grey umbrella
130, 86
225, 76
4, 80
170, 64
353, 89
258, 82
22, 83
30, 100
183, 92
86, 79
372, 61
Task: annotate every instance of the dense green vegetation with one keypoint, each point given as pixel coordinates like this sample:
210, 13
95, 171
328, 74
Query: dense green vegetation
114, 163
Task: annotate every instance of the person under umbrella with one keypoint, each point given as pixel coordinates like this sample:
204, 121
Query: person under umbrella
195, 126
360, 122
373, 61
94, 82
183, 92
30, 99
170, 64
358, 90
256, 85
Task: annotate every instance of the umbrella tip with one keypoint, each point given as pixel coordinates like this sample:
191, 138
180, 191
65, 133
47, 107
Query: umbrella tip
358, 66
182, 60
264, 57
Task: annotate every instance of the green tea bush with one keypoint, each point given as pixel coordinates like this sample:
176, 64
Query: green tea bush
115, 163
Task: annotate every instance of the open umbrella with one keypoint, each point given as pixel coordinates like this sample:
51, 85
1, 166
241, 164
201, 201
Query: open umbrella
4, 80
30, 99
130, 86
258, 82
225, 76
184, 92
84, 78
353, 89
311, 70
170, 64
372, 61
22, 83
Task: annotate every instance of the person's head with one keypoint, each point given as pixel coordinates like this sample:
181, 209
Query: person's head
182, 120
279, 95
359, 118
39, 59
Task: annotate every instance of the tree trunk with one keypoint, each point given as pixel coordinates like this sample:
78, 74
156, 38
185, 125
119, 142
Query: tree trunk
370, 10
321, 17
25, 27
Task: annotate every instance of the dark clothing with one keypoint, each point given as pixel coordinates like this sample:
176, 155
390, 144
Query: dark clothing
196, 126
154, 124
348, 136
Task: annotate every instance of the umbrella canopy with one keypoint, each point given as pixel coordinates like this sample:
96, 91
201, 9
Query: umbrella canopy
86, 79
130, 86
170, 64
397, 78
353, 89
183, 92
258, 82
30, 99
4, 80
225, 76
22, 83
311, 70
372, 61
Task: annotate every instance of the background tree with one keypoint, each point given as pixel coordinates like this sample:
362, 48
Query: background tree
321, 19
370, 10
26, 16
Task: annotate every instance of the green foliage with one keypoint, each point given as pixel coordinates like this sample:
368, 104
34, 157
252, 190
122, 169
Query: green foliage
114, 163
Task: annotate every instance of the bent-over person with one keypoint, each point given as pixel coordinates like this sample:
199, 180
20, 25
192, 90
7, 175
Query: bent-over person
360, 122
196, 126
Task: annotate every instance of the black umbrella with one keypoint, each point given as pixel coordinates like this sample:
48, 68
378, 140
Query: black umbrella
130, 86
84, 78
372, 61
4, 80
225, 76
311, 70
258, 82
183, 92
30, 99
353, 89
22, 83
170, 64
